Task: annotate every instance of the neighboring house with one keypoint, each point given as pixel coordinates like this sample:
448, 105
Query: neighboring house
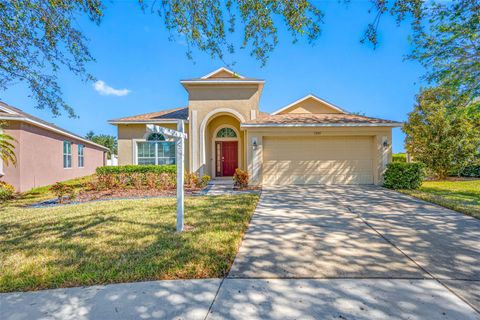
309, 141
45, 153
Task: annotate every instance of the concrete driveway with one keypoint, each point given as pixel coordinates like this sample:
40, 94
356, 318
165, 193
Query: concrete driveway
312, 252
353, 252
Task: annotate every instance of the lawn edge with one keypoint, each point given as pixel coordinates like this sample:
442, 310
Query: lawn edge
437, 200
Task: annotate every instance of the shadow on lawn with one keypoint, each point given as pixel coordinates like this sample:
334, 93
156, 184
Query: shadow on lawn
64, 247
463, 197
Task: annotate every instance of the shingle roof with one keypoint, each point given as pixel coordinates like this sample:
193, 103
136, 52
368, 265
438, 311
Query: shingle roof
171, 114
8, 115
20, 115
318, 119
262, 114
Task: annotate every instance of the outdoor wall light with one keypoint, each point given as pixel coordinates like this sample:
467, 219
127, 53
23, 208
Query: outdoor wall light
385, 143
254, 143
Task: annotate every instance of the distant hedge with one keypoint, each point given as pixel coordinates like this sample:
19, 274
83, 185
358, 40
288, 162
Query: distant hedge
471, 171
399, 157
401, 175
137, 169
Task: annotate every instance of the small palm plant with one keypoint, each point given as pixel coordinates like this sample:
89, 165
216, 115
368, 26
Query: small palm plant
7, 153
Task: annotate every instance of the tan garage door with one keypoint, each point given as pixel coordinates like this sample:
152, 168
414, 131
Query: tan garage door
317, 160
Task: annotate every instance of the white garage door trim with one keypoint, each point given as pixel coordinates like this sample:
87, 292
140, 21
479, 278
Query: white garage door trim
318, 160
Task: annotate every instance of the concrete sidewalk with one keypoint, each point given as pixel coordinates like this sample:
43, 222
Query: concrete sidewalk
242, 299
176, 299
377, 299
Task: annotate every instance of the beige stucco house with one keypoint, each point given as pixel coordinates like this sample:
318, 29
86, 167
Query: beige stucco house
309, 141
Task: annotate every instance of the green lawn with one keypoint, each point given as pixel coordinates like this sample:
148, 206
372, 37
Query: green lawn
462, 196
118, 241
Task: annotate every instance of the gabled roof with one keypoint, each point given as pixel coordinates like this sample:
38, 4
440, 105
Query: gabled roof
222, 76
314, 97
221, 71
8, 112
165, 116
319, 120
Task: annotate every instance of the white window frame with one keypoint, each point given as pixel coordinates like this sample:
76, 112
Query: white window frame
67, 154
135, 150
217, 131
81, 156
156, 151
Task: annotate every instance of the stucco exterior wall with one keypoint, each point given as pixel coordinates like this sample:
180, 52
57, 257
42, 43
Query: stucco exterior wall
380, 155
11, 174
207, 101
310, 106
40, 157
126, 135
129, 134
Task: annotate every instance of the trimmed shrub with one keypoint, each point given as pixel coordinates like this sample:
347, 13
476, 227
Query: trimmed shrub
162, 177
136, 169
399, 157
62, 190
205, 180
471, 171
401, 175
166, 181
108, 181
6, 191
241, 178
137, 179
191, 180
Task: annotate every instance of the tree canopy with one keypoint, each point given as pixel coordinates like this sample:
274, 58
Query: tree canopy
7, 149
105, 140
38, 38
448, 46
441, 133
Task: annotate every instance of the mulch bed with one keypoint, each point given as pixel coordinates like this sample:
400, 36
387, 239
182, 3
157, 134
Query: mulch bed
130, 193
85, 196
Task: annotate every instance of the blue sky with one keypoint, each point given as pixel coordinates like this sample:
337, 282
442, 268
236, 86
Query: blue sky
133, 52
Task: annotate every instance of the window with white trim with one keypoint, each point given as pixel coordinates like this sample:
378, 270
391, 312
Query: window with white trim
226, 133
81, 156
156, 150
67, 154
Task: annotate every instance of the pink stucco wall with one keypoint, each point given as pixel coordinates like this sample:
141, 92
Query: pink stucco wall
40, 157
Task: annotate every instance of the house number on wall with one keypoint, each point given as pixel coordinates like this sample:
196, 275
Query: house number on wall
317, 133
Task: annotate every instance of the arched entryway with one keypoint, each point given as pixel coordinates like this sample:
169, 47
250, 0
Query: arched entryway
224, 143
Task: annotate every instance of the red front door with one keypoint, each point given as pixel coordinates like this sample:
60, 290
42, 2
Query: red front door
226, 158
